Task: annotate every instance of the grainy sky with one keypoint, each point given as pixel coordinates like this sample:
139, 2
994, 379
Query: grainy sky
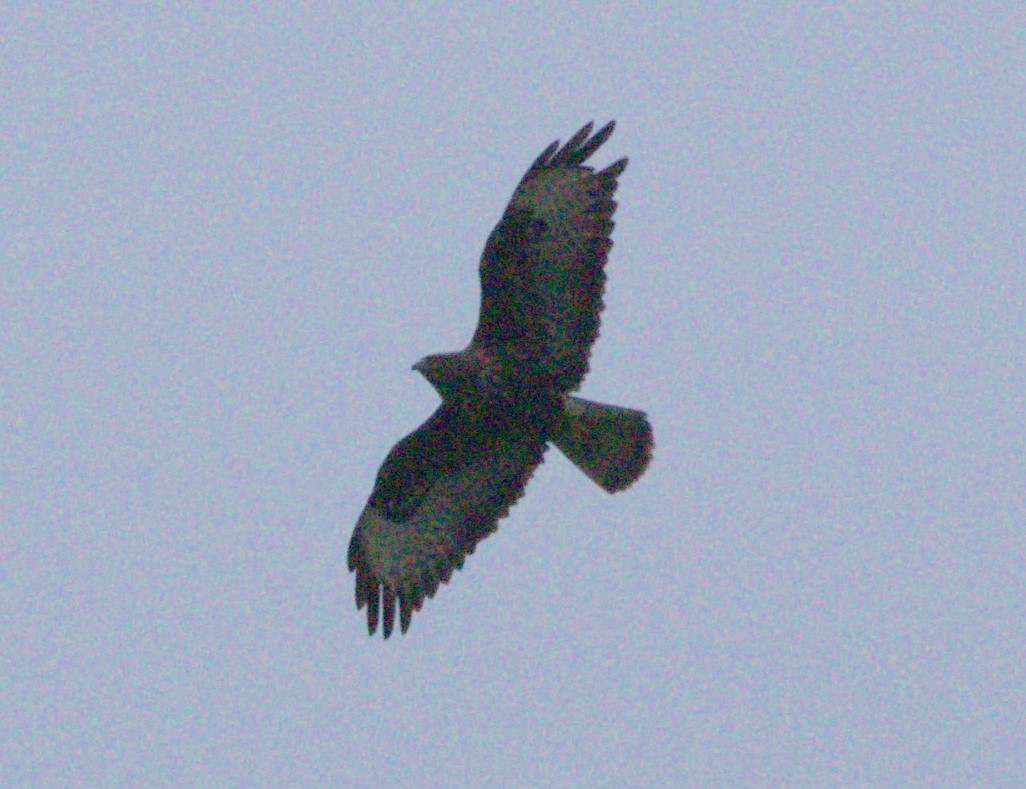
226, 236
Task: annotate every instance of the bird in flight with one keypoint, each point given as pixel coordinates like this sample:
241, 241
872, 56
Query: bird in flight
506, 396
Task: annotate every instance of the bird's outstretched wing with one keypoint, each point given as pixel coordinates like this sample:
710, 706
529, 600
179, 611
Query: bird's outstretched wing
439, 492
542, 268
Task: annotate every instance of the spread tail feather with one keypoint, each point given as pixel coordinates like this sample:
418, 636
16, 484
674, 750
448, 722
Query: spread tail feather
612, 445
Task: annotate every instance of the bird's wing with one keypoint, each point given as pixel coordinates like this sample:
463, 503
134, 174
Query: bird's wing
439, 492
542, 268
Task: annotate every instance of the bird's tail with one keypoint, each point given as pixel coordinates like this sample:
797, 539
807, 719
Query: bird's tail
612, 445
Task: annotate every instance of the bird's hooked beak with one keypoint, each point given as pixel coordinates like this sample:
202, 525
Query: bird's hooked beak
421, 366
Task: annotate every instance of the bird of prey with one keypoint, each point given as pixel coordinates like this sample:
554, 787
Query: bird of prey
445, 486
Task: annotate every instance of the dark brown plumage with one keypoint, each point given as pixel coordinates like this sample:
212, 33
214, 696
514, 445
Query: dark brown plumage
445, 486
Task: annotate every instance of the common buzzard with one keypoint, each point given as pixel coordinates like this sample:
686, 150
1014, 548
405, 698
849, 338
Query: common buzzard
443, 488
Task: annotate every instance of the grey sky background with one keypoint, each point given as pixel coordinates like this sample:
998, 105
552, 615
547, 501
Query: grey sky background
226, 236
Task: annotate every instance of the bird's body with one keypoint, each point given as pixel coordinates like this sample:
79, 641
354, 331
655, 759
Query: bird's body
444, 487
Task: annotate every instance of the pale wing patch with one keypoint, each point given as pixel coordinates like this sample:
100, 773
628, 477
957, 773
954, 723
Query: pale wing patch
554, 193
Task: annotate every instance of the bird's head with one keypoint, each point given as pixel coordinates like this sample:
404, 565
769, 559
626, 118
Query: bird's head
447, 372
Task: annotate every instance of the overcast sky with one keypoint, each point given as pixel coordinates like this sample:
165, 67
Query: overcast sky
225, 236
